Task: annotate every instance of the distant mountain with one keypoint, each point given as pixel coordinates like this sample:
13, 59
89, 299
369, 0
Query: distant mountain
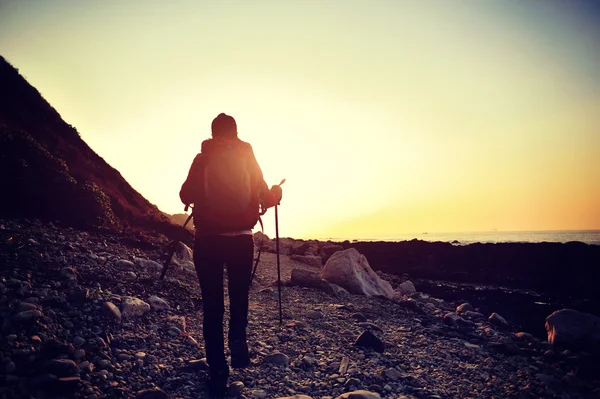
49, 172
180, 218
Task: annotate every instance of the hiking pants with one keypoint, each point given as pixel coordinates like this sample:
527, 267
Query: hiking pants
210, 253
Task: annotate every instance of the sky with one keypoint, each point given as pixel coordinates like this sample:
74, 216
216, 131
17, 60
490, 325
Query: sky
385, 117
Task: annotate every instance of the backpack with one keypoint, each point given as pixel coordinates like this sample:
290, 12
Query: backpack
229, 193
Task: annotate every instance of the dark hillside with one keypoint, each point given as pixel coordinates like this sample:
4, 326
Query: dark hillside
50, 173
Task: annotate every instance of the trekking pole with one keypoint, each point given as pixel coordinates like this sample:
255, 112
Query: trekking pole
278, 264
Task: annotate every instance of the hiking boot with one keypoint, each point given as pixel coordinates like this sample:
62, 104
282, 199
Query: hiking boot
239, 354
217, 383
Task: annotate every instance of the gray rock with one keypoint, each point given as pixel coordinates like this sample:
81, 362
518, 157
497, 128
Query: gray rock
131, 307
360, 394
314, 314
465, 307
61, 367
306, 278
358, 317
392, 374
125, 264
112, 311
369, 340
27, 316
158, 304
329, 249
352, 382
149, 265
474, 315
523, 336
406, 288
452, 319
351, 270
78, 341
295, 397
259, 394
235, 389
68, 273
574, 329
278, 358
103, 363
197, 365
498, 320
151, 394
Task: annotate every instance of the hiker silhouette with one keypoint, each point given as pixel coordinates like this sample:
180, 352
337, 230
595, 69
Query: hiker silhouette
226, 186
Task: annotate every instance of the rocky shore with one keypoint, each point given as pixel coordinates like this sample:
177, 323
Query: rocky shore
84, 315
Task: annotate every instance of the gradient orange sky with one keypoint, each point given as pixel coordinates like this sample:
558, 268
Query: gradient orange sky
386, 117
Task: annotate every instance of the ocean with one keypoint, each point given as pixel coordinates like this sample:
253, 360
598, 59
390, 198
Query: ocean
585, 236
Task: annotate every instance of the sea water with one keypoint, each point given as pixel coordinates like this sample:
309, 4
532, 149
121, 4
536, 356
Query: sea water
561, 236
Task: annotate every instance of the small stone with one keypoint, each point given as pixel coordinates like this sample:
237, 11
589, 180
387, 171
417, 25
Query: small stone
131, 307
103, 363
358, 317
471, 346
197, 365
36, 340
406, 288
498, 320
360, 394
392, 374
465, 307
474, 315
68, 273
140, 355
314, 314
523, 336
125, 264
278, 358
130, 276
151, 394
78, 341
174, 331
61, 367
112, 311
352, 382
259, 394
86, 367
27, 316
235, 389
158, 304
369, 340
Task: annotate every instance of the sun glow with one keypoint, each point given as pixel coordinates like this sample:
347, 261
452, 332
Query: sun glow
384, 119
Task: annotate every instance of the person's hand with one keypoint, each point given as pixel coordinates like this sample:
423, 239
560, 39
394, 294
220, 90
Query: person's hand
277, 193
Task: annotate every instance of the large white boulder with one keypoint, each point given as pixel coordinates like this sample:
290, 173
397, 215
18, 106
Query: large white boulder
350, 270
574, 329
